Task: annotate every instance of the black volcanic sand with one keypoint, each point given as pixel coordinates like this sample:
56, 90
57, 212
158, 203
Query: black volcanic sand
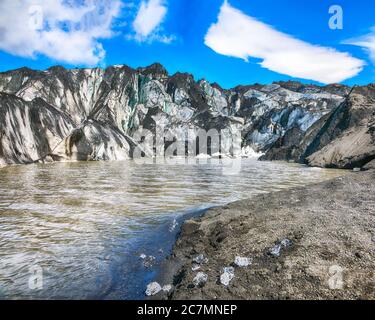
331, 225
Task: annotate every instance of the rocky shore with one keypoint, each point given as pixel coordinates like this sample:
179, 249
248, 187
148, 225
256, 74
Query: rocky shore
313, 242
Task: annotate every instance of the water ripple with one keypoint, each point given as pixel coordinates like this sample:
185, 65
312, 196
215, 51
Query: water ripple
85, 224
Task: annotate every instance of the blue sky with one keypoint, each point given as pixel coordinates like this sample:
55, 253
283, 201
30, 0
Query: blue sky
238, 42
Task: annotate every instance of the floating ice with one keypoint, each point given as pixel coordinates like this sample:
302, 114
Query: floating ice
148, 261
173, 225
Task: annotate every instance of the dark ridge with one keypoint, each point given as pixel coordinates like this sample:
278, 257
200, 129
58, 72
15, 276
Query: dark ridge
182, 76
217, 86
23, 70
292, 85
123, 67
242, 89
157, 69
154, 69
57, 69
179, 80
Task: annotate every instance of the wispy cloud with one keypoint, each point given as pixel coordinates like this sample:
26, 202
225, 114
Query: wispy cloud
367, 42
238, 35
67, 31
147, 23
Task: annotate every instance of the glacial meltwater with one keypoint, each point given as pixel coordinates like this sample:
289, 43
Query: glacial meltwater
77, 230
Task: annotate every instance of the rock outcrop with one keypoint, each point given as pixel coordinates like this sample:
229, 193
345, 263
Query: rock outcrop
344, 138
353, 144
94, 114
354, 148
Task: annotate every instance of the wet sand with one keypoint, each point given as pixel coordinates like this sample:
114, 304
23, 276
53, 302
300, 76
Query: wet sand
329, 252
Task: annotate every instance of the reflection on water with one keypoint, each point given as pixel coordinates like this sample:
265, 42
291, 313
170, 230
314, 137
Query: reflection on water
85, 224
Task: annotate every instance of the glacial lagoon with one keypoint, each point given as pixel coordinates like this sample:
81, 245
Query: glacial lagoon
82, 227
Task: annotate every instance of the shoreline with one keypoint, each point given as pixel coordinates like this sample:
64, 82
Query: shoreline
330, 255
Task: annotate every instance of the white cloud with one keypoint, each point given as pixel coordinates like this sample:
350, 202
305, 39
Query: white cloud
67, 31
367, 42
146, 25
238, 35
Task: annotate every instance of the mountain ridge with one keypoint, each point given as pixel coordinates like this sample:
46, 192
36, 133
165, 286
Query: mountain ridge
157, 65
107, 106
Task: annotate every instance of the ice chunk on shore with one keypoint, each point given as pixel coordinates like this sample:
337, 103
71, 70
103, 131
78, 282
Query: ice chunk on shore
195, 267
199, 259
200, 279
227, 276
153, 288
286, 243
242, 261
276, 249
167, 288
